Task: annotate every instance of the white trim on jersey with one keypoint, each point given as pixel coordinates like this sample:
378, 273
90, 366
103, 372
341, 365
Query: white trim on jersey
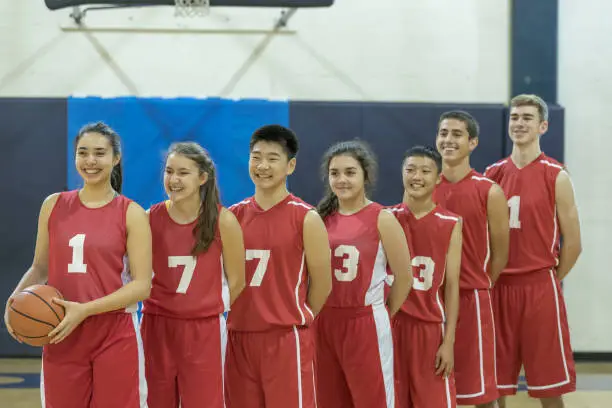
297, 293
480, 353
501, 163
299, 365
482, 179
296, 203
487, 257
142, 381
449, 400
376, 291
42, 384
446, 217
561, 343
550, 164
223, 333
385, 350
225, 292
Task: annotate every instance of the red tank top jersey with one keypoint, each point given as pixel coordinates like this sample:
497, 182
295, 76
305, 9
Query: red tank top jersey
534, 227
276, 272
184, 286
359, 264
468, 199
88, 248
431, 237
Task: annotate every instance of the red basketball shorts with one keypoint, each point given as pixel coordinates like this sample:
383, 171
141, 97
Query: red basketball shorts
416, 344
184, 361
354, 358
475, 376
100, 364
271, 369
532, 331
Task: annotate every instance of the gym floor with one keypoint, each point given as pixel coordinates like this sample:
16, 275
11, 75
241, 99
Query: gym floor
20, 380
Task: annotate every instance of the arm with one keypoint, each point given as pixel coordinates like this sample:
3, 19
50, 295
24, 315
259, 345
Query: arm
569, 224
398, 255
233, 252
499, 230
139, 249
445, 357
318, 259
38, 271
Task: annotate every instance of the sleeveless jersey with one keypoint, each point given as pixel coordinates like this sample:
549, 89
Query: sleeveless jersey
431, 238
359, 264
276, 273
534, 227
184, 286
468, 198
88, 248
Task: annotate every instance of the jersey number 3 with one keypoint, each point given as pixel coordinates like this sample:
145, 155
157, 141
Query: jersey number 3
350, 260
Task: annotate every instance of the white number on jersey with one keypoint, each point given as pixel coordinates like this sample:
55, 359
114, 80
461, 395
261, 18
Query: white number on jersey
77, 244
189, 262
515, 206
349, 263
263, 256
426, 267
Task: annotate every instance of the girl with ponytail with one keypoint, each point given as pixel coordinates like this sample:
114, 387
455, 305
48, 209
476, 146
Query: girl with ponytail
198, 259
363, 236
85, 237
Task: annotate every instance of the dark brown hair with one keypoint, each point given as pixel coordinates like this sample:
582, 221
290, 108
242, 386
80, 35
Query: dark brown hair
116, 177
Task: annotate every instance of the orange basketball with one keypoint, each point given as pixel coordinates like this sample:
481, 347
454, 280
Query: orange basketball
33, 315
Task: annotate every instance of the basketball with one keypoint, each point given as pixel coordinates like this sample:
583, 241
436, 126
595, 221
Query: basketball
33, 315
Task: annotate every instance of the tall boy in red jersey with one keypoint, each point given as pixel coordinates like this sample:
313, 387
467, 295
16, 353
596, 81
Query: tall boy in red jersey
483, 208
530, 315
288, 276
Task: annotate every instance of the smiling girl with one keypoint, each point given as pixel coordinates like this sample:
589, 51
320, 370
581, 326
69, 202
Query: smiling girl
85, 237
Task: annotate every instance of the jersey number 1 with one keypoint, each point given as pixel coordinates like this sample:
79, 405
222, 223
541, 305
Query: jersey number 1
514, 203
77, 243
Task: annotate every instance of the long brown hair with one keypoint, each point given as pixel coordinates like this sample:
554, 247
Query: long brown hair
205, 229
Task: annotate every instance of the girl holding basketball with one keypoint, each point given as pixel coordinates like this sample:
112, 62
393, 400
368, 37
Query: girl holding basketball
198, 259
85, 239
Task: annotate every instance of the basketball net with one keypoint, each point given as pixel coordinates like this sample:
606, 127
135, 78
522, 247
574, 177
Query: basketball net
191, 8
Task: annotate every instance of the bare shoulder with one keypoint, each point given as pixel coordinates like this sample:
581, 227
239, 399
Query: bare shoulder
136, 214
227, 219
312, 218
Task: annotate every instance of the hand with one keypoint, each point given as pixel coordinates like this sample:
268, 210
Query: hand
75, 314
6, 320
445, 360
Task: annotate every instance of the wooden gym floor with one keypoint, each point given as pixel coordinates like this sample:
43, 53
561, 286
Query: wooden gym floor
20, 380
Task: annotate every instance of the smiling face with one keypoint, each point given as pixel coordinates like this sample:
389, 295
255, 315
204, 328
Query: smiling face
183, 178
453, 141
95, 158
525, 125
420, 176
346, 178
269, 165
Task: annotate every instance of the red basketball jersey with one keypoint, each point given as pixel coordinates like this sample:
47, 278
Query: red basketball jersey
468, 198
431, 238
184, 286
359, 264
276, 272
87, 248
534, 227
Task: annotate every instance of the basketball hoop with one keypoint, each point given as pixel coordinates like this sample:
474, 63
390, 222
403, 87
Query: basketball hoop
191, 8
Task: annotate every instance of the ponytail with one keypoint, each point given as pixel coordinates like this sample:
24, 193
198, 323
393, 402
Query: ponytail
206, 228
116, 177
328, 204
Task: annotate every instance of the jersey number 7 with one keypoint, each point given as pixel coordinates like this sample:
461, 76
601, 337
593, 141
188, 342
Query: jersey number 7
263, 257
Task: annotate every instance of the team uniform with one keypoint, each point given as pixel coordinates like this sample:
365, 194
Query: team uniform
418, 327
475, 375
531, 319
270, 351
100, 363
354, 347
183, 327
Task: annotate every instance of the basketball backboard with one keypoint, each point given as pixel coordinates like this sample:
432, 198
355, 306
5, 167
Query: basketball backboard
60, 4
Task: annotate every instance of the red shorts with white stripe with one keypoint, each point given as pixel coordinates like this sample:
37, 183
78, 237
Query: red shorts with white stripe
100, 364
271, 369
416, 344
354, 358
532, 330
184, 361
475, 375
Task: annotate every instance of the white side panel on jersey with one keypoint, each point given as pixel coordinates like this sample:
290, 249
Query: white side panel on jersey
126, 278
42, 384
385, 350
223, 333
142, 382
225, 292
376, 291
480, 352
